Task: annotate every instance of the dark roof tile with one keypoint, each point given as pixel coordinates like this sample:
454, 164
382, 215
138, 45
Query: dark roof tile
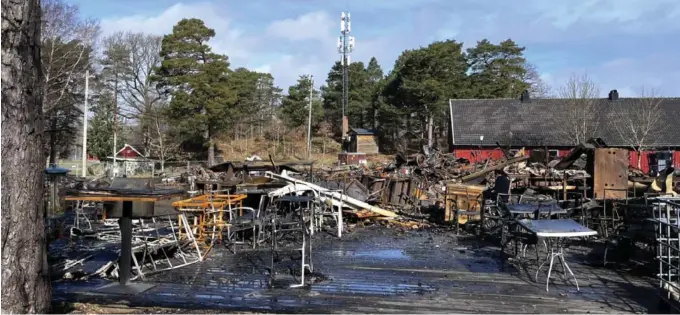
542, 122
362, 131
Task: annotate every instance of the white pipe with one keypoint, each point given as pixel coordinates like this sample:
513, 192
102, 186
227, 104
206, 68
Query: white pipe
333, 195
298, 188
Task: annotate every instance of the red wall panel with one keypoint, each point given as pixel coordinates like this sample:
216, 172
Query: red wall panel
644, 162
128, 153
477, 155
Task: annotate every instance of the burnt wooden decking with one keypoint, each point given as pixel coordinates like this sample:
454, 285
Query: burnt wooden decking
377, 270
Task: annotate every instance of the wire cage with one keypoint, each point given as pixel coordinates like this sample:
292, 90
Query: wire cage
666, 216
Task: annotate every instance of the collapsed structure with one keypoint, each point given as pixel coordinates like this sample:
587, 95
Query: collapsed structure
516, 190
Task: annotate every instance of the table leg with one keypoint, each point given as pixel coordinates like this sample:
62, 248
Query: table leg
547, 258
547, 281
125, 223
125, 260
559, 254
564, 263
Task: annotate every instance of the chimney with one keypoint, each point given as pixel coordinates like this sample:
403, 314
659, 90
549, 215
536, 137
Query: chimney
525, 97
613, 95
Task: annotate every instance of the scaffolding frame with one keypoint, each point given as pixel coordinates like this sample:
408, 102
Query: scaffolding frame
666, 216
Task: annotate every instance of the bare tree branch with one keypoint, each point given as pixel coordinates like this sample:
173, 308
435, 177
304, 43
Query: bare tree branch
131, 58
537, 87
639, 123
578, 119
67, 41
161, 143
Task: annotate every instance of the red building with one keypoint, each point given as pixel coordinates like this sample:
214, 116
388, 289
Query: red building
129, 152
481, 127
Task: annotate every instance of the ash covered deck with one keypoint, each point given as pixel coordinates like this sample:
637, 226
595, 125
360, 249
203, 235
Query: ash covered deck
381, 270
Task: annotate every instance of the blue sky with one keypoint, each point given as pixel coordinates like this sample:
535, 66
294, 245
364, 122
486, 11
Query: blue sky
620, 44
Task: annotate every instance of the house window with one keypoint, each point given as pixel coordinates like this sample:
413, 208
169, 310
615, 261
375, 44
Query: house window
553, 154
659, 161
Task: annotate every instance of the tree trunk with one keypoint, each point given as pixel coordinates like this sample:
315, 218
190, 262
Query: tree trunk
25, 276
430, 126
211, 152
639, 159
53, 138
374, 117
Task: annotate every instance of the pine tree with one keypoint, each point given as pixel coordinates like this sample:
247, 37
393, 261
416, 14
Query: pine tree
295, 105
198, 81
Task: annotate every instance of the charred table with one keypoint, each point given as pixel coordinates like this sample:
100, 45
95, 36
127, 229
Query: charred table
129, 203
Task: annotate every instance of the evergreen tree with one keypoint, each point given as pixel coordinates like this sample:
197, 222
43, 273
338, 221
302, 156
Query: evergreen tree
497, 71
198, 81
295, 105
374, 76
422, 82
359, 99
100, 126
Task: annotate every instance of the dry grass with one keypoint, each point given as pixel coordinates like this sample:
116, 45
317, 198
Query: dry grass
324, 150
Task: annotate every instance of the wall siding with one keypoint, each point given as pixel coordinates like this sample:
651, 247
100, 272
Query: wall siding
478, 155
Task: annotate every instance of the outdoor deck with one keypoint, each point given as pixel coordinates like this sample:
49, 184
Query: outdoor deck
382, 270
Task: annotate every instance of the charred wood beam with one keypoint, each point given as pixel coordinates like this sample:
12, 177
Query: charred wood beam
496, 167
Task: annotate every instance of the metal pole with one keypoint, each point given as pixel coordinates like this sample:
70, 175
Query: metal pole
309, 119
115, 123
345, 47
345, 80
87, 90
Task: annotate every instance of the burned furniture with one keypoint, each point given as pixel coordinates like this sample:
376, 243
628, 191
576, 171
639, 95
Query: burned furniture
129, 203
247, 223
156, 247
212, 215
513, 208
292, 221
463, 203
253, 171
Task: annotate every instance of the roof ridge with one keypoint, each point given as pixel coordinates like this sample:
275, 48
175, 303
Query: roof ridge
559, 98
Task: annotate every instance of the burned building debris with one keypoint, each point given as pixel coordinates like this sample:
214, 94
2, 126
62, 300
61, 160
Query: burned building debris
282, 220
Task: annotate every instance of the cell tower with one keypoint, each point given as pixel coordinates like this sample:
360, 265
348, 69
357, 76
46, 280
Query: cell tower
345, 48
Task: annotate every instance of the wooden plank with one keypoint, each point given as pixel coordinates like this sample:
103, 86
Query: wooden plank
496, 167
610, 173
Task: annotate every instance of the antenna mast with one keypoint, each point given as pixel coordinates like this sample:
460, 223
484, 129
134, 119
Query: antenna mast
345, 48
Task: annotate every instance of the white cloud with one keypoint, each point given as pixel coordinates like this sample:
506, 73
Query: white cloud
249, 50
565, 14
228, 40
311, 26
